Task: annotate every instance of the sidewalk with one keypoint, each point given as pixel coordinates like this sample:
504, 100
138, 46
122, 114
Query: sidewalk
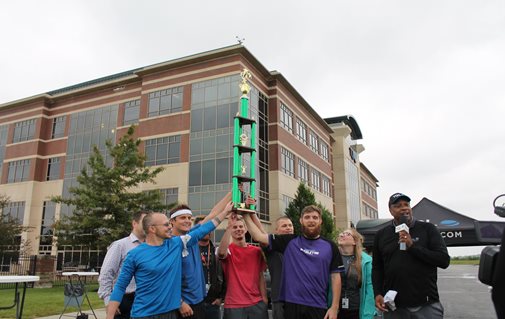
100, 314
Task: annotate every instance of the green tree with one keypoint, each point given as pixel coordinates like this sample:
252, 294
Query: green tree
10, 230
105, 198
305, 197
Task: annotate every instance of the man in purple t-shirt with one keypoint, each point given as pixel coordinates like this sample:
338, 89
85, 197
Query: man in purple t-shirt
309, 263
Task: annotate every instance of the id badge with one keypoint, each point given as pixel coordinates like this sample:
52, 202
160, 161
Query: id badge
207, 287
345, 303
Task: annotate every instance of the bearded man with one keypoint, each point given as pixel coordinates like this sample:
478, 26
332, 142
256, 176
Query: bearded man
310, 262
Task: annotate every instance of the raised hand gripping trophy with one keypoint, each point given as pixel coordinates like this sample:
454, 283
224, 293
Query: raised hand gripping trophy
240, 175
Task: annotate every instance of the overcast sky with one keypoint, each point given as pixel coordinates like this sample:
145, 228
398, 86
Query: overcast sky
424, 79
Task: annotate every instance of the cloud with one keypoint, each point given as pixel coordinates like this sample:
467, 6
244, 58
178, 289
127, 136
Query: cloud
423, 79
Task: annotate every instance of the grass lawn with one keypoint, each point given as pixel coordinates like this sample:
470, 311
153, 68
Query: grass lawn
465, 261
40, 302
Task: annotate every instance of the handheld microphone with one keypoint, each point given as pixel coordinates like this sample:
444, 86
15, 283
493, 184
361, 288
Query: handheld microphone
403, 226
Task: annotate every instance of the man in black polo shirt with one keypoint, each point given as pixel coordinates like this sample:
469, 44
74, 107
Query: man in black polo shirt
412, 272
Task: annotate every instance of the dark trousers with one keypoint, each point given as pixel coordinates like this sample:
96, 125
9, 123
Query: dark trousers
348, 314
433, 310
257, 311
211, 311
125, 306
198, 312
296, 311
167, 315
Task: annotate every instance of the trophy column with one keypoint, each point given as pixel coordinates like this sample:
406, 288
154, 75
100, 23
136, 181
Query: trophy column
241, 148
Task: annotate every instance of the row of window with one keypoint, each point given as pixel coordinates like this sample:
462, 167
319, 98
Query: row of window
369, 211
306, 135
369, 189
17, 210
160, 103
304, 172
158, 151
25, 130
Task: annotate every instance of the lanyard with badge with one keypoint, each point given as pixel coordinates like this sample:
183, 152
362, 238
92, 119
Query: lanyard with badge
206, 263
345, 300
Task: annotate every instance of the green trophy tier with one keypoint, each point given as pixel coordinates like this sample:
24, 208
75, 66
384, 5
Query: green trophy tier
243, 145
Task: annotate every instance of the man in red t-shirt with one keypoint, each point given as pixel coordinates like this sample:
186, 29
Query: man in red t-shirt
243, 267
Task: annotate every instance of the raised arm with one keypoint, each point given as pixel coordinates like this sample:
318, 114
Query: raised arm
257, 222
223, 213
255, 232
218, 208
197, 233
222, 251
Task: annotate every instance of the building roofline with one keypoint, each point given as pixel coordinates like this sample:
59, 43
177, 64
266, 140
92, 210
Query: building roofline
279, 77
363, 167
134, 74
350, 121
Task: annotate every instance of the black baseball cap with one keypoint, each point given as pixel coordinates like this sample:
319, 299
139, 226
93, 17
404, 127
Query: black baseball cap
396, 197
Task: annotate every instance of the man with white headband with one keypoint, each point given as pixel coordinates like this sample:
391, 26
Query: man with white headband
157, 268
193, 278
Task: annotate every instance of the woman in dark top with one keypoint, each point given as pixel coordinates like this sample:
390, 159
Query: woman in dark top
357, 297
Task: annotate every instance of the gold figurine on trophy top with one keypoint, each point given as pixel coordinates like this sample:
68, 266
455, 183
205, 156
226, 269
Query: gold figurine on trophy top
244, 86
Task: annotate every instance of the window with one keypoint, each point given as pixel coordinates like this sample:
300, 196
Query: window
353, 154
131, 112
325, 154
370, 211
326, 186
46, 227
287, 162
286, 200
163, 150
58, 127
24, 131
16, 210
4, 130
85, 129
301, 131
313, 141
169, 195
286, 118
18, 171
303, 171
315, 179
165, 101
369, 189
53, 169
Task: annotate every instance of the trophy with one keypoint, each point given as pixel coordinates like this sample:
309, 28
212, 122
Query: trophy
241, 149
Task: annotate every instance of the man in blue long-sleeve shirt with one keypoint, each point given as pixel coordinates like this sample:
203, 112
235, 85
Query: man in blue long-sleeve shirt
156, 265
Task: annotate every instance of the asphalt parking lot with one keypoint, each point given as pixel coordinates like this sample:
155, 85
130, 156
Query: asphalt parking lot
463, 295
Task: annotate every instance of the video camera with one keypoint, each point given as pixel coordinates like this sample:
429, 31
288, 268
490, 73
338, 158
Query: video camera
489, 255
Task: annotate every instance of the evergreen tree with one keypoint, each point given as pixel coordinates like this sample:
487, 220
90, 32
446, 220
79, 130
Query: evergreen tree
305, 197
10, 231
105, 198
